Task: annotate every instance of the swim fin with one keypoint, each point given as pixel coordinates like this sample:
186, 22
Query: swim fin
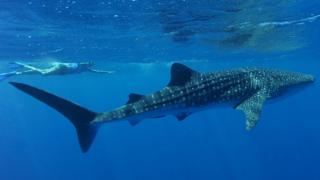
4, 76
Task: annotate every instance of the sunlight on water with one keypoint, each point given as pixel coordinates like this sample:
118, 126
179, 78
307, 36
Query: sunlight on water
110, 56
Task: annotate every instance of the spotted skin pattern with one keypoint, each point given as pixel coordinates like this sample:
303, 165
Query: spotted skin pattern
188, 91
203, 90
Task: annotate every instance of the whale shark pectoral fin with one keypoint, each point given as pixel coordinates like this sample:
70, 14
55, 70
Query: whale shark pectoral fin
134, 122
180, 75
133, 97
252, 107
182, 116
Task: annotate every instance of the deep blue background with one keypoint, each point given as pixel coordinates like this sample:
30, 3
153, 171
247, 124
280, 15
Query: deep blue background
38, 143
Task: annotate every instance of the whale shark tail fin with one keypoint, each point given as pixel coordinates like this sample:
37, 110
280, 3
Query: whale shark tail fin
80, 117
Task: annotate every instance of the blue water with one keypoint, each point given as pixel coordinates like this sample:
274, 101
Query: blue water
140, 40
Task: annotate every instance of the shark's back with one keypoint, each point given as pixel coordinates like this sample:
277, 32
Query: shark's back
249, 88
223, 86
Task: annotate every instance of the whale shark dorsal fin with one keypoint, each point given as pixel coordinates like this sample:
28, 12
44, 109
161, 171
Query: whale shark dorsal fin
252, 107
180, 74
133, 97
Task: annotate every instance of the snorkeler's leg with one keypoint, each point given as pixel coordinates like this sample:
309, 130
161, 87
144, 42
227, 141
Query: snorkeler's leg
101, 71
27, 66
34, 70
27, 72
54, 70
14, 65
22, 64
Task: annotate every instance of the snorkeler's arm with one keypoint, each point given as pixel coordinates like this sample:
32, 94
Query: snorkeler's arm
100, 71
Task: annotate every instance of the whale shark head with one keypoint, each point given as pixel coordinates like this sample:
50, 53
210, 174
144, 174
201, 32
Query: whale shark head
290, 82
296, 79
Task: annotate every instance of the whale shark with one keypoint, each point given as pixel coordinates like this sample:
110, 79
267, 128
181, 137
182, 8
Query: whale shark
188, 92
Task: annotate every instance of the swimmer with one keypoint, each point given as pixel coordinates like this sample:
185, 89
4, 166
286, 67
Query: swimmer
56, 68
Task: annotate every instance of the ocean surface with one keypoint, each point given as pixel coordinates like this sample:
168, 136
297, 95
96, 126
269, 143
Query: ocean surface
139, 40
